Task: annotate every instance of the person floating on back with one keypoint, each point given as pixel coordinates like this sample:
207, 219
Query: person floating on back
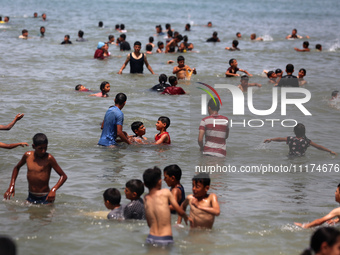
298, 144
163, 136
203, 206
173, 90
157, 212
39, 165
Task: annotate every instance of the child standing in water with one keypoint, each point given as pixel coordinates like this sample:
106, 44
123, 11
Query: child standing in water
298, 144
105, 89
162, 124
39, 165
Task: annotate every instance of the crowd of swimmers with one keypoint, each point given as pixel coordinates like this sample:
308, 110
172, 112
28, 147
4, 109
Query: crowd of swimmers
158, 204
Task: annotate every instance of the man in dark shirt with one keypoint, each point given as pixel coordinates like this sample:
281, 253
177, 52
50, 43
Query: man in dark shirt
289, 80
124, 45
214, 38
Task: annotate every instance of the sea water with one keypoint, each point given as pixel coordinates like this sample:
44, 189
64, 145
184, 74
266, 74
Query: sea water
258, 209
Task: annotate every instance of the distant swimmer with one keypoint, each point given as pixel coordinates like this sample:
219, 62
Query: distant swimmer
80, 36
187, 27
43, 16
112, 199
238, 35
331, 218
304, 47
122, 28
168, 27
302, 73
233, 46
104, 90
160, 48
151, 40
173, 44
173, 90
294, 35
66, 40
8, 127
159, 30
111, 40
233, 69
42, 31
162, 83
81, 88
298, 144
137, 60
204, 207
182, 70
214, 38
335, 95
157, 211
245, 84
24, 34
100, 24
209, 24
185, 46
123, 45
253, 37
35, 15
148, 49
318, 47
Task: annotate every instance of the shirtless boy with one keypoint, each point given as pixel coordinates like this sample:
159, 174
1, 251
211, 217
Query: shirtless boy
157, 211
39, 165
203, 206
232, 70
171, 46
182, 69
245, 84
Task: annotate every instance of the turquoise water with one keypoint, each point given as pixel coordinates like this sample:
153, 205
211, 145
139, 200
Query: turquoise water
38, 76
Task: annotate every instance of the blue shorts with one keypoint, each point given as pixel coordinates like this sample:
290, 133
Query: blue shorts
37, 199
161, 240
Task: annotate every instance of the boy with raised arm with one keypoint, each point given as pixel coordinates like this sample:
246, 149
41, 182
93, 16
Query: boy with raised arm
39, 165
157, 211
182, 68
233, 69
203, 206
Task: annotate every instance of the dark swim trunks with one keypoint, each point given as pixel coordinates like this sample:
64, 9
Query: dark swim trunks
161, 240
37, 199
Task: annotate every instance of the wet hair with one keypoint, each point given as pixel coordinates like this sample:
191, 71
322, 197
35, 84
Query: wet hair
78, 87
24, 31
39, 139
110, 37
165, 120
135, 125
160, 28
67, 36
335, 93
304, 71
160, 43
278, 71
100, 24
170, 33
173, 170
289, 68
238, 33
122, 26
135, 185
244, 78
176, 33
203, 178
123, 36
213, 106
187, 26
117, 26
151, 177
231, 61
0, 18
172, 80
185, 38
269, 74
179, 37
148, 47
81, 33
137, 43
6, 17
151, 39
167, 26
318, 46
235, 43
7, 245
120, 98
253, 36
180, 58
112, 195
295, 30
215, 33
300, 130
163, 78
42, 27
329, 235
102, 85
306, 44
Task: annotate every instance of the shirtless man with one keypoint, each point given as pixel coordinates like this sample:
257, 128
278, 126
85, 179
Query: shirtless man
294, 35
203, 206
157, 210
181, 69
137, 60
171, 46
327, 218
39, 165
